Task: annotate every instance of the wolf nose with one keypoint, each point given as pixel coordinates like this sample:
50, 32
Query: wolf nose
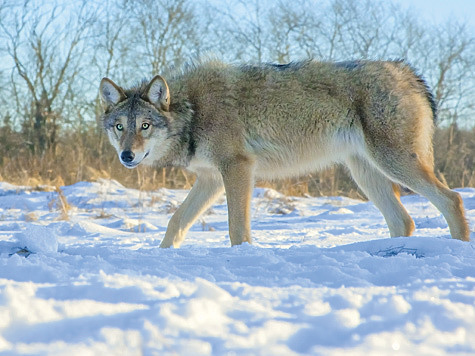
127, 156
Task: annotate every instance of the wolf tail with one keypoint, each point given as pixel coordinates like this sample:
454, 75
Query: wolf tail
424, 88
429, 95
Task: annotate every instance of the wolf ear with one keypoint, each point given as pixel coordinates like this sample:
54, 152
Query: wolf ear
158, 93
111, 93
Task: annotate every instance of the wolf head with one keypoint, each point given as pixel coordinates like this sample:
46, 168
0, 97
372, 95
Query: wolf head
136, 120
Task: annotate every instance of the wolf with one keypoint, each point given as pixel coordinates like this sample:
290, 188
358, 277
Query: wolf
233, 124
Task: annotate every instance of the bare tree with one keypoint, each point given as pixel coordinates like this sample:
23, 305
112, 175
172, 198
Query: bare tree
46, 55
113, 44
289, 26
449, 56
163, 33
240, 30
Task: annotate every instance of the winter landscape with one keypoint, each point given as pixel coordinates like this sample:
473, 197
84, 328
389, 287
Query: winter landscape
82, 274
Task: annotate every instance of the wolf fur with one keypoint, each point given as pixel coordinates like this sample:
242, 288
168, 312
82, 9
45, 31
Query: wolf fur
233, 124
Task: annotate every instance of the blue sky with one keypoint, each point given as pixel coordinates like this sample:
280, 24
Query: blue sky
437, 11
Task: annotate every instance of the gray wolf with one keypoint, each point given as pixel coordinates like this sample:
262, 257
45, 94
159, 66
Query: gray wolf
233, 124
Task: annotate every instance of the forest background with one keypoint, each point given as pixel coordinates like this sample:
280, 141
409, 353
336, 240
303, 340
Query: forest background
54, 53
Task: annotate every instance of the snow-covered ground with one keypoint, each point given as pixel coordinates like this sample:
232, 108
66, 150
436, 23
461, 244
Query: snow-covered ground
81, 274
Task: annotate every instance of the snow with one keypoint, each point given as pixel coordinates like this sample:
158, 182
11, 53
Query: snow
321, 278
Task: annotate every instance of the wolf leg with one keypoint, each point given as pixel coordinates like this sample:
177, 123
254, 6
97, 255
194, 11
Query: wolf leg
384, 194
238, 183
449, 203
416, 172
206, 190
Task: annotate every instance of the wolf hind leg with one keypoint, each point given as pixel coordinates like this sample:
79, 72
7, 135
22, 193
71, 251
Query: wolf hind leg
415, 171
383, 193
206, 190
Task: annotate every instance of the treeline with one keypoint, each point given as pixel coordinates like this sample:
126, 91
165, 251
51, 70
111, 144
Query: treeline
54, 53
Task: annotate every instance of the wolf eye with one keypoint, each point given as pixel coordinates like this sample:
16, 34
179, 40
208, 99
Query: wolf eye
119, 127
145, 126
